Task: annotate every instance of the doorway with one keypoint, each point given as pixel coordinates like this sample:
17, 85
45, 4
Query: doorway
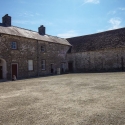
3, 69
62, 67
52, 68
70, 66
122, 64
1, 72
14, 70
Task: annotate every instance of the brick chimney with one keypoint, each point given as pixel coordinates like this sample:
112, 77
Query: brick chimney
41, 30
6, 20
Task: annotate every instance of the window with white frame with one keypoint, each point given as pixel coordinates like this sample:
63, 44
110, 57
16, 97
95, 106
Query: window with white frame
13, 45
30, 65
43, 64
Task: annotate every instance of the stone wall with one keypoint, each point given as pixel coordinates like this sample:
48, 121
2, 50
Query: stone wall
54, 54
96, 61
29, 49
103, 51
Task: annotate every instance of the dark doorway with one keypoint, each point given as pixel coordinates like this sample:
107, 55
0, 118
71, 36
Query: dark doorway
52, 69
62, 67
122, 63
1, 72
14, 70
70, 66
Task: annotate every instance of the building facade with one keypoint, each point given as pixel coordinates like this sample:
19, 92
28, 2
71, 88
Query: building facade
98, 52
25, 53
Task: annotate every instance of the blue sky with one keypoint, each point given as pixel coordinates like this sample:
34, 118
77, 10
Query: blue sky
66, 18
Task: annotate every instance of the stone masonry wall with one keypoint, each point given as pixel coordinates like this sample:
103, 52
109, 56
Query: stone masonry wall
54, 54
29, 49
101, 60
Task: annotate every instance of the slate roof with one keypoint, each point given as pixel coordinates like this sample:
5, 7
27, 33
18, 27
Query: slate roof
16, 31
108, 39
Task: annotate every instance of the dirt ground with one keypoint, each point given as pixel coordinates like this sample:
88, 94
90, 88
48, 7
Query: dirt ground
71, 99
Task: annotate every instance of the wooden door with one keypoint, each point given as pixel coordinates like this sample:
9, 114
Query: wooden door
14, 70
1, 72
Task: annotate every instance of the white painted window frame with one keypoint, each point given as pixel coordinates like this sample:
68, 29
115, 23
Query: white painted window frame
30, 65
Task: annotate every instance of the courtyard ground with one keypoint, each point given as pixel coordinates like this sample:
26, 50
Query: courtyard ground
71, 99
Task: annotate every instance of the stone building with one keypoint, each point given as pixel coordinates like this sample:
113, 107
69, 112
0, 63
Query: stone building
26, 53
98, 52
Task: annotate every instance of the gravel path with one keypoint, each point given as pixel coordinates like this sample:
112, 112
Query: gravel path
71, 99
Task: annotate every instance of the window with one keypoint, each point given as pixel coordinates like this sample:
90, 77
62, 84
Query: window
43, 64
30, 65
62, 67
13, 45
42, 49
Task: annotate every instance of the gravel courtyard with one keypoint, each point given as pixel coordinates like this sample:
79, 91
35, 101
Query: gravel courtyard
71, 99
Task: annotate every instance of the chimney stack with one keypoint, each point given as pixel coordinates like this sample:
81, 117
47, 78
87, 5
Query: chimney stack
6, 20
41, 30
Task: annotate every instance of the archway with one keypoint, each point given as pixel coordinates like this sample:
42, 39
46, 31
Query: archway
3, 69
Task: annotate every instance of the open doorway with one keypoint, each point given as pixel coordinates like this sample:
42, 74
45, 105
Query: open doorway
70, 66
1, 72
3, 69
52, 68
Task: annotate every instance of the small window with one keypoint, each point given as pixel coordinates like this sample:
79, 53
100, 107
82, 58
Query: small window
42, 49
13, 45
30, 65
43, 65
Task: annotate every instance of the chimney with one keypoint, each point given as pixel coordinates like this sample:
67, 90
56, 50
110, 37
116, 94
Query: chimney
6, 20
41, 30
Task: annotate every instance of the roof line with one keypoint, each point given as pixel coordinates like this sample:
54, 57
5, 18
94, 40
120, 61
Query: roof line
37, 32
96, 33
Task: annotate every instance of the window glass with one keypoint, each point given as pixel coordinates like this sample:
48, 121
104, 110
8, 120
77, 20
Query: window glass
13, 45
42, 49
30, 65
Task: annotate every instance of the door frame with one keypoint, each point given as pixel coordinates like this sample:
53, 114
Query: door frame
11, 69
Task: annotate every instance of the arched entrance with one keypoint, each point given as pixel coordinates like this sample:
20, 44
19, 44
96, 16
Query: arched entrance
3, 69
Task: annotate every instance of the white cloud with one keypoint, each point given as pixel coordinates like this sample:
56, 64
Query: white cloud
115, 23
121, 8
101, 30
92, 1
68, 34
